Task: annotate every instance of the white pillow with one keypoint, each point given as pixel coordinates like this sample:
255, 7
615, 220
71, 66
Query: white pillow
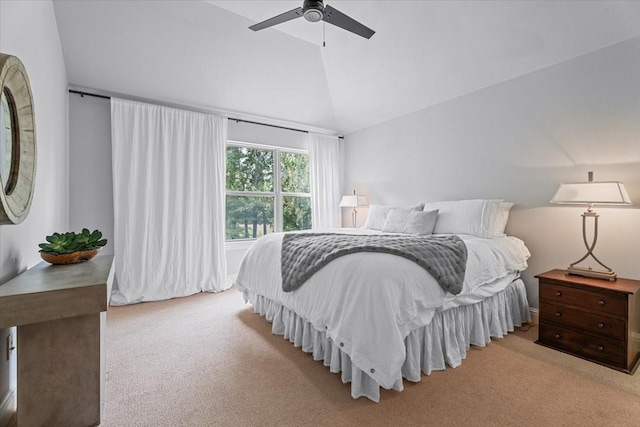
378, 215
502, 216
410, 221
475, 217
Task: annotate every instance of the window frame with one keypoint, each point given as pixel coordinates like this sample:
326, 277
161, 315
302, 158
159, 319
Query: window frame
277, 194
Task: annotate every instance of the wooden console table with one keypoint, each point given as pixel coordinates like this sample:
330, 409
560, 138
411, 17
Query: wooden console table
58, 310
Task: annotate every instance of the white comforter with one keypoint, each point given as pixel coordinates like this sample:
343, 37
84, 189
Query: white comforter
369, 302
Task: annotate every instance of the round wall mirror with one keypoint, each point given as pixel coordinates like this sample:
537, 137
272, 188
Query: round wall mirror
9, 143
17, 141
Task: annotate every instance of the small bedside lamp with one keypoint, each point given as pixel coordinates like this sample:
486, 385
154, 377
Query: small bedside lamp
354, 201
591, 193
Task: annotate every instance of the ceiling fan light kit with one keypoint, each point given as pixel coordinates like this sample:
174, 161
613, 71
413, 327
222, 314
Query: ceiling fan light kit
315, 11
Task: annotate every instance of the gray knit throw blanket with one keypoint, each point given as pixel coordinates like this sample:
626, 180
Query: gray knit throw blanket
444, 257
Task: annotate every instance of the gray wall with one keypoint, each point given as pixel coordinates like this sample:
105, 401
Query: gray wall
28, 30
518, 140
90, 177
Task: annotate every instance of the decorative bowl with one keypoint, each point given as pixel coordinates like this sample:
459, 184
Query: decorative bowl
71, 258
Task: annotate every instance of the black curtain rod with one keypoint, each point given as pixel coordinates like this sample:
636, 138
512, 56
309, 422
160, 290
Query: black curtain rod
266, 124
82, 94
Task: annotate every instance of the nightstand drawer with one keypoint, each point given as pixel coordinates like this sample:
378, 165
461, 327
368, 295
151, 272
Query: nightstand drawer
614, 304
597, 348
589, 322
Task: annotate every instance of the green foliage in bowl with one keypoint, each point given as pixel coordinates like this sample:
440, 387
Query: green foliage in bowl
66, 243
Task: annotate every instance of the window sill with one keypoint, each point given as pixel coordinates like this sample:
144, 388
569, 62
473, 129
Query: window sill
238, 245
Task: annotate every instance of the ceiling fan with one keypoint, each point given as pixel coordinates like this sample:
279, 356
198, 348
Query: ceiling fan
314, 11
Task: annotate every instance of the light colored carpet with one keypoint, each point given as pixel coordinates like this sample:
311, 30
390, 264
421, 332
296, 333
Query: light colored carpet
207, 360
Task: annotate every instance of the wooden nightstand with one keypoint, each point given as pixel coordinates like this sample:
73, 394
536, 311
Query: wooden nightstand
593, 319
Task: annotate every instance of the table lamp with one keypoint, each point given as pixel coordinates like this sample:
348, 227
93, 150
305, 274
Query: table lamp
354, 201
591, 193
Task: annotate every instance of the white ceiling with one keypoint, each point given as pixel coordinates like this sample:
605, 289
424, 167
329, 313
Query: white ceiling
423, 52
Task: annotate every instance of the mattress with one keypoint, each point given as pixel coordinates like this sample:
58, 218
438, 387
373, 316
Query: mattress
367, 304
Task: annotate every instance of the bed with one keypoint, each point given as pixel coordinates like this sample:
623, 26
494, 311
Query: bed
377, 318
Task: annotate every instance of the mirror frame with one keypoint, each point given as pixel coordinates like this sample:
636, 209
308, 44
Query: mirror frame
17, 194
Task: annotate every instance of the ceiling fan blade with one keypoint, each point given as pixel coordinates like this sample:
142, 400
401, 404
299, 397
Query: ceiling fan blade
284, 17
335, 17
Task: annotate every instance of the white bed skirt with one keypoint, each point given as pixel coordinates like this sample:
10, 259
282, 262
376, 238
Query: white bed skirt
444, 341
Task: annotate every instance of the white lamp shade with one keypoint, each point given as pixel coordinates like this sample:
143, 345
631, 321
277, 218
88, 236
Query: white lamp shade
353, 201
595, 193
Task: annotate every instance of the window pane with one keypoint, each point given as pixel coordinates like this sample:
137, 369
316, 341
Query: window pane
249, 217
295, 173
296, 213
249, 169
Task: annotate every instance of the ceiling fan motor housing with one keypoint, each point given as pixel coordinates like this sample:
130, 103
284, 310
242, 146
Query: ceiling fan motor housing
313, 10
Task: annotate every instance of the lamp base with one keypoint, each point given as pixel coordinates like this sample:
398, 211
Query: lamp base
589, 272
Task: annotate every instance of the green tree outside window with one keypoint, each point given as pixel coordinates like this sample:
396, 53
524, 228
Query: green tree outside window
254, 198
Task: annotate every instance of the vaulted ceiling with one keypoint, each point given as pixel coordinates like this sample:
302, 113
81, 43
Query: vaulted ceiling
202, 54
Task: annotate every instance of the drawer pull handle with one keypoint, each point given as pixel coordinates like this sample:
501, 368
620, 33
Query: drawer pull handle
557, 336
601, 302
558, 293
558, 314
600, 348
600, 325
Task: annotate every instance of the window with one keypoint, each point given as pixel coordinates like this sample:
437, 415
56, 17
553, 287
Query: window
268, 190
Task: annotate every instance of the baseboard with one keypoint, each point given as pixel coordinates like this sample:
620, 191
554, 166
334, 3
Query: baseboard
535, 315
7, 408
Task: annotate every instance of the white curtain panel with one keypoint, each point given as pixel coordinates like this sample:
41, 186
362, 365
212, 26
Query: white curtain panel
169, 202
324, 156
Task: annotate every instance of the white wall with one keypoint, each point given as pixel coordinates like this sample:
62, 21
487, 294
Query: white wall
29, 31
518, 140
248, 132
